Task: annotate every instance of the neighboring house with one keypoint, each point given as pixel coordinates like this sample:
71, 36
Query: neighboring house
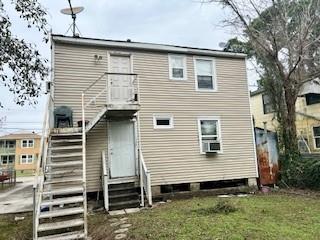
307, 116
19, 150
158, 116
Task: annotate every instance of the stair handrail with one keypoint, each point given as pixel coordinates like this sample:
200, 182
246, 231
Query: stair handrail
145, 180
84, 165
104, 180
86, 104
41, 165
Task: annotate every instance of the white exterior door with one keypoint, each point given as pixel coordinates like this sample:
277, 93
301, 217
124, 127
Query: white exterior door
121, 86
122, 149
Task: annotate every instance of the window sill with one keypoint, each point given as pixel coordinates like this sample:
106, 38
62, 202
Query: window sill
206, 90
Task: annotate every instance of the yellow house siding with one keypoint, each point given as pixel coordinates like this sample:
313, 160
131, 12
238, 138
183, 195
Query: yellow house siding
304, 123
172, 155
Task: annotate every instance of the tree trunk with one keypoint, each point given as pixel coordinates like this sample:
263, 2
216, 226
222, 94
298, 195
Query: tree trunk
290, 143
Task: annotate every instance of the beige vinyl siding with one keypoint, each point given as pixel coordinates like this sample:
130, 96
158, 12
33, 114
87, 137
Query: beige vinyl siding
172, 155
75, 70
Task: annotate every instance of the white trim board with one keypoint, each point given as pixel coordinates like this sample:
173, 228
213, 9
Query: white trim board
145, 46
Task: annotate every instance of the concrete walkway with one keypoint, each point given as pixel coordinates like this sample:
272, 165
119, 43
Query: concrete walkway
19, 198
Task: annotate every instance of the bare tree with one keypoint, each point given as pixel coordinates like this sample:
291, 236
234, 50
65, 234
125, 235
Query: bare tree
284, 37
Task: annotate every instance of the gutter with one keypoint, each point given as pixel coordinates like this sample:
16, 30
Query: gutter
144, 46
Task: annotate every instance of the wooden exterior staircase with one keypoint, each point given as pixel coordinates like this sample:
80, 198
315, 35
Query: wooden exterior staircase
62, 206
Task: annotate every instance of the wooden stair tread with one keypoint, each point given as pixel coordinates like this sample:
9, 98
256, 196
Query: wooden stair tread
64, 236
62, 172
65, 134
60, 225
61, 212
133, 194
64, 180
59, 201
63, 191
66, 140
65, 164
66, 155
71, 147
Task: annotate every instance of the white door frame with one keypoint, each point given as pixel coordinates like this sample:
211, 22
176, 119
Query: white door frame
129, 178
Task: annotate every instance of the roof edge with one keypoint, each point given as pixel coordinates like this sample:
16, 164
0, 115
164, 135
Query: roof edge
144, 46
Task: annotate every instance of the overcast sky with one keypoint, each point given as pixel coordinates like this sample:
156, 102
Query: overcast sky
178, 22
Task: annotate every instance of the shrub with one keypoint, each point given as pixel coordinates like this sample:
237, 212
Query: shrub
303, 172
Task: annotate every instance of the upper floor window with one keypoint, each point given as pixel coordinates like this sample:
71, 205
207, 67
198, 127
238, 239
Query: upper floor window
267, 105
7, 144
205, 74
7, 159
27, 143
316, 135
26, 159
312, 98
162, 121
177, 67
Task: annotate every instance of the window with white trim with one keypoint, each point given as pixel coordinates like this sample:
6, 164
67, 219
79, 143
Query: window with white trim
27, 143
7, 159
209, 134
7, 144
177, 67
316, 135
26, 159
162, 121
205, 74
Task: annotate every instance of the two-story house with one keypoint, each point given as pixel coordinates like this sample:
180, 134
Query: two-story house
20, 151
157, 117
307, 115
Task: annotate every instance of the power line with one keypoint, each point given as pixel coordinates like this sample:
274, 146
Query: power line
6, 128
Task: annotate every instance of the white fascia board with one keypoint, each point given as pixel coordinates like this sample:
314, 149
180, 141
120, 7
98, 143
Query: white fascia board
145, 46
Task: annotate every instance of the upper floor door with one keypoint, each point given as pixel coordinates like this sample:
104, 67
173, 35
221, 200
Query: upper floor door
121, 85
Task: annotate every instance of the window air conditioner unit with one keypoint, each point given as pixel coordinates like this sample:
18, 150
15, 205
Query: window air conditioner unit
211, 147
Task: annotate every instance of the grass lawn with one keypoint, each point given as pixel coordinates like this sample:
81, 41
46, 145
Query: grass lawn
256, 217
273, 216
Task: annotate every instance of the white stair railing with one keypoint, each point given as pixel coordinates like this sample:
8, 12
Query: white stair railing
105, 181
145, 181
41, 167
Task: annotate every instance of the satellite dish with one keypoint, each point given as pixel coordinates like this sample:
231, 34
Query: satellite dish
71, 11
222, 44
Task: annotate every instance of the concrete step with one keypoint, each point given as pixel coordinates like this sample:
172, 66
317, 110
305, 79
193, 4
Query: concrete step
65, 164
64, 191
124, 204
64, 180
59, 201
66, 155
60, 225
121, 190
123, 197
121, 185
61, 212
64, 236
70, 147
